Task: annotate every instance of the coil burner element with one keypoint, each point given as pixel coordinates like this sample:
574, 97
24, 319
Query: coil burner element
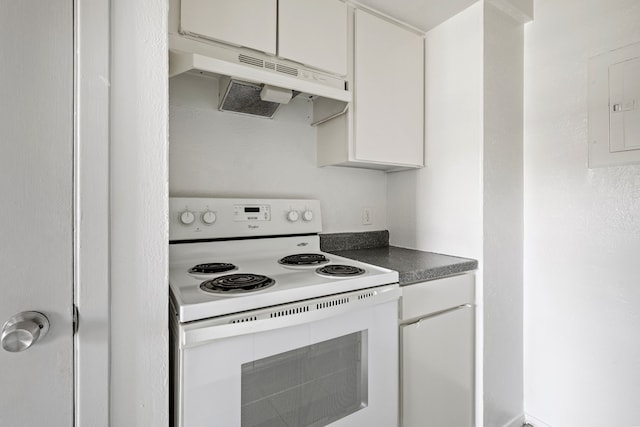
237, 283
338, 270
304, 259
212, 268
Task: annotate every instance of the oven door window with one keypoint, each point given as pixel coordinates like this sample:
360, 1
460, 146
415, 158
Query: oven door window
310, 386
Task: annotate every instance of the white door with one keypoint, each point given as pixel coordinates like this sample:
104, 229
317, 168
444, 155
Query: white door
36, 232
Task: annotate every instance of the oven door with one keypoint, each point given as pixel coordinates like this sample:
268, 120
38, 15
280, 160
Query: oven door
330, 361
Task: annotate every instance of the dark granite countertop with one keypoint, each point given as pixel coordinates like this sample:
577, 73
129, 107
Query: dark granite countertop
412, 265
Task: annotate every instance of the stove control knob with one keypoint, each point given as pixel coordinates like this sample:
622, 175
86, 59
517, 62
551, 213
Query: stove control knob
293, 216
307, 215
187, 217
209, 217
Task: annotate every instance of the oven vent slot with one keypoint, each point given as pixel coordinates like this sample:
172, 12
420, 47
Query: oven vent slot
245, 319
291, 311
332, 303
365, 296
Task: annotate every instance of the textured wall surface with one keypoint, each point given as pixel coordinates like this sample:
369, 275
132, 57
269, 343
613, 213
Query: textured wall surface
139, 259
220, 154
582, 229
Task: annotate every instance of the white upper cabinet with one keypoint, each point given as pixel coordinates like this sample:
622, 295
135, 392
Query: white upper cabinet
314, 33
310, 32
384, 127
389, 92
247, 23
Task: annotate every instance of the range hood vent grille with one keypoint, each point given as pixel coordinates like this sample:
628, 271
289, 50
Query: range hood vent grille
287, 70
250, 60
257, 62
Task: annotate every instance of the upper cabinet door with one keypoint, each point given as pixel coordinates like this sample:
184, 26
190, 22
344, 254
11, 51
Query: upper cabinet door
314, 33
389, 92
248, 23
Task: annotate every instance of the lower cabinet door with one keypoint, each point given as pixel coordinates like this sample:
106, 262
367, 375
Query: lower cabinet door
438, 370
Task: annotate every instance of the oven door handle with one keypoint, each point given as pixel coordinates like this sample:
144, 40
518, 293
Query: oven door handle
196, 333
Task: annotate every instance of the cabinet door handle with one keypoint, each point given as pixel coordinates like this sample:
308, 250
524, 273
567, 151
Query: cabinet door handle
437, 313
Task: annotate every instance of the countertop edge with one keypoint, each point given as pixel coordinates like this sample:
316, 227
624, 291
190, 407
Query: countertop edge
435, 273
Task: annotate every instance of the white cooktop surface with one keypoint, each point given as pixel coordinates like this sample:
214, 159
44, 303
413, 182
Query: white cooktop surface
259, 256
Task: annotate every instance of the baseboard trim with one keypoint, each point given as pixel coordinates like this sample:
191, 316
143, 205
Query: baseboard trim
535, 422
516, 422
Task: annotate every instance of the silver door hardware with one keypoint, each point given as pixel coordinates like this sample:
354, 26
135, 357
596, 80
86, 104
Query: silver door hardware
22, 330
437, 313
624, 106
76, 319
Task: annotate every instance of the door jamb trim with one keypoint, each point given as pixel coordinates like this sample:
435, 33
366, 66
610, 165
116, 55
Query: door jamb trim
91, 211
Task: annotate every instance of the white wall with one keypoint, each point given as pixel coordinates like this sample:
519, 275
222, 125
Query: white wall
468, 200
439, 208
503, 219
582, 229
221, 154
139, 322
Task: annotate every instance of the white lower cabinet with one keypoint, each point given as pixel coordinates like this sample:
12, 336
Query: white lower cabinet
438, 353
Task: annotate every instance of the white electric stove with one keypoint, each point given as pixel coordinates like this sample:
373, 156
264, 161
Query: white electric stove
255, 237
254, 299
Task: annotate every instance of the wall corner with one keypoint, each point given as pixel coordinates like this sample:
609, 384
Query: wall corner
519, 10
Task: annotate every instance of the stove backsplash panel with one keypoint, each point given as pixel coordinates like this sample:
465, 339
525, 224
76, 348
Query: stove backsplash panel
221, 154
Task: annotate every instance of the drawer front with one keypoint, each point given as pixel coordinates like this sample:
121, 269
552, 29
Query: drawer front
421, 299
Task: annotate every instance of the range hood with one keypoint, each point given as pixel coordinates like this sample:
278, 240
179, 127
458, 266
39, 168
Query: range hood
255, 84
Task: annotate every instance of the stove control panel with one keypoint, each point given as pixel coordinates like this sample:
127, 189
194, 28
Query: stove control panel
194, 218
252, 213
